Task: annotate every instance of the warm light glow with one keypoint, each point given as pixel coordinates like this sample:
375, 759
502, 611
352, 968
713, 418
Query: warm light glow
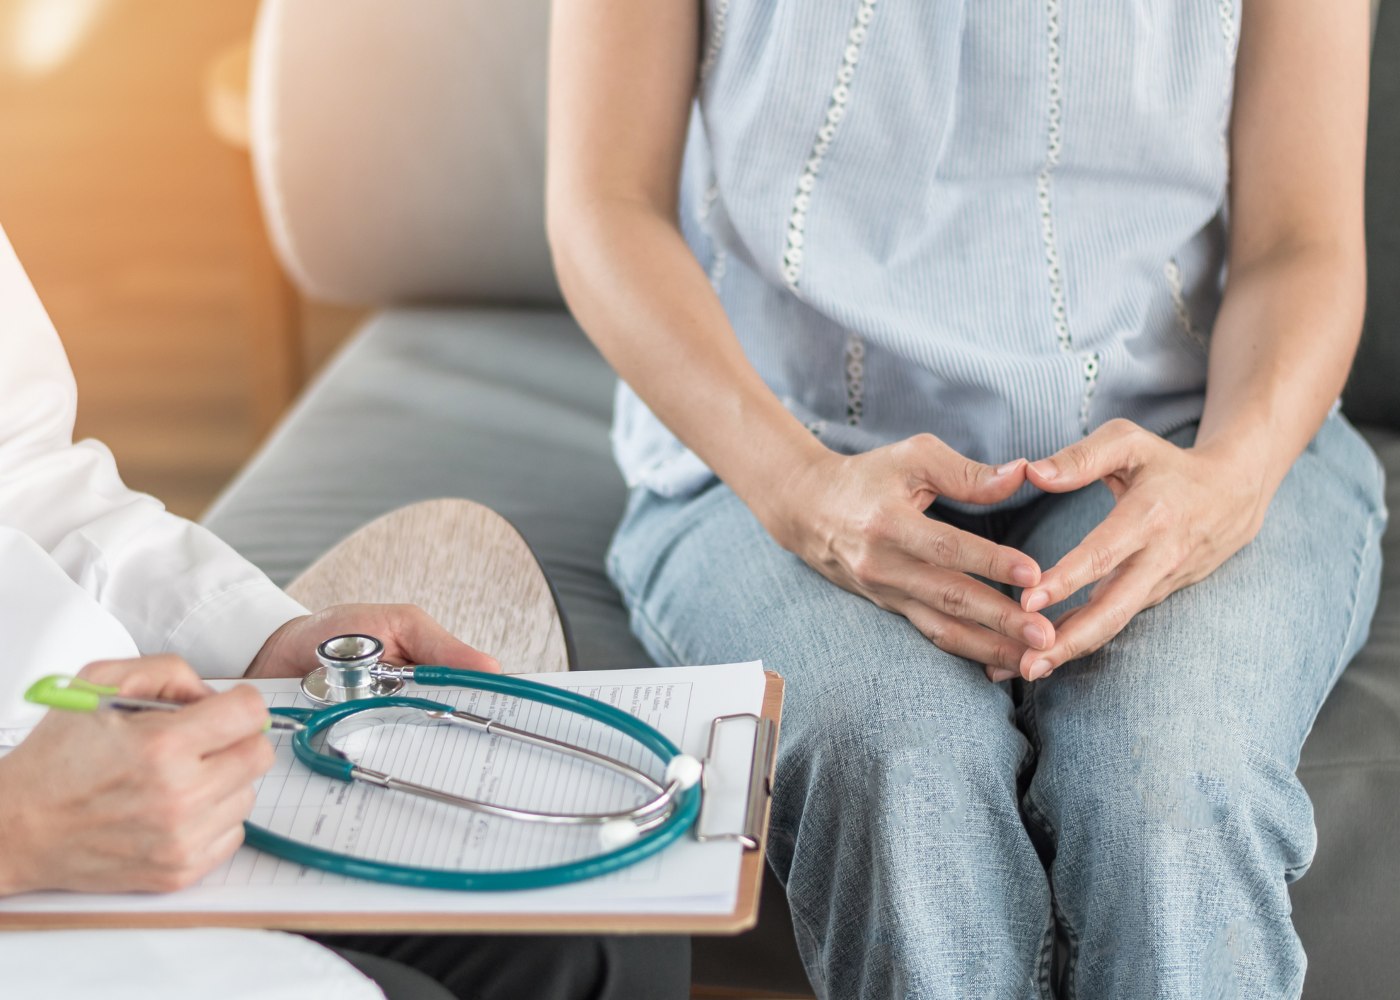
44, 33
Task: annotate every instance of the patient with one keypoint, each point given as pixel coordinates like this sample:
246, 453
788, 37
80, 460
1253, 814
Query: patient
941, 397
99, 580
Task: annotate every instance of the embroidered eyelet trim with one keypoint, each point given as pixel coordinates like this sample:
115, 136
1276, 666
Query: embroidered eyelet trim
1091, 368
716, 38
1227, 24
1053, 150
1183, 313
835, 111
1054, 267
719, 261
817, 426
707, 202
855, 379
719, 266
1226, 9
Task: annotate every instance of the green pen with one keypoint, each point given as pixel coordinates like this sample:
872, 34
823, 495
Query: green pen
73, 694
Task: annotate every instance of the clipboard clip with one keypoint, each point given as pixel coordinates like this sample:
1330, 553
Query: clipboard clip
765, 745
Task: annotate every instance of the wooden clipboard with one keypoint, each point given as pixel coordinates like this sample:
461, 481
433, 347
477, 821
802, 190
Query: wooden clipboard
743, 917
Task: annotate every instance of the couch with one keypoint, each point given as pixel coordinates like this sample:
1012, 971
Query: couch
398, 150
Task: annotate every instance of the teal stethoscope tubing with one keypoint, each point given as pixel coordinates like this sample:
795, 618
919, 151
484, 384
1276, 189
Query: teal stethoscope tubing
680, 820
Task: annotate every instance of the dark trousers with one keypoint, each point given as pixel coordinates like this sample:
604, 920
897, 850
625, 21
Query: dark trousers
537, 967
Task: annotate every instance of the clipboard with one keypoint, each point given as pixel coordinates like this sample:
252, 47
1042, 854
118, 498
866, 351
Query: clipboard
744, 916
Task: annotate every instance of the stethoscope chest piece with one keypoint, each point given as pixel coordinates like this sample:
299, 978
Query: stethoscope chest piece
350, 670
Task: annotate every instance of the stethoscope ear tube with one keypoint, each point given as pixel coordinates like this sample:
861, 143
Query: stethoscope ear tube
688, 807
317, 722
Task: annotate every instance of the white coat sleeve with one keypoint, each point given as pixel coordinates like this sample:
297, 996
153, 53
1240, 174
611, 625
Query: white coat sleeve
173, 585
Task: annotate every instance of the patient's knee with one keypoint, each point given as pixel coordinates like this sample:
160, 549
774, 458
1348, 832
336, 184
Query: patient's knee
913, 762
1187, 791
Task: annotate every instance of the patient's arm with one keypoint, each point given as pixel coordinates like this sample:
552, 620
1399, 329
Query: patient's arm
622, 79
1281, 347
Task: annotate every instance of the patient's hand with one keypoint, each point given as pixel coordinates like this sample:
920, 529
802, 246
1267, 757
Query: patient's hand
1180, 513
114, 802
409, 635
859, 521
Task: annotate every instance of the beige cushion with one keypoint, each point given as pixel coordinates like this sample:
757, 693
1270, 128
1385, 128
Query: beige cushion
399, 147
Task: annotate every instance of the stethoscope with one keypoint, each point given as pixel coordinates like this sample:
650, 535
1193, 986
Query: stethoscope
359, 690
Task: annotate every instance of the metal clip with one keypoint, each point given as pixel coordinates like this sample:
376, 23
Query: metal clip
765, 745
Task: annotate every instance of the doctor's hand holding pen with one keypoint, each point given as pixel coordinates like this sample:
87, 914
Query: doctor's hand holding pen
154, 801
148, 801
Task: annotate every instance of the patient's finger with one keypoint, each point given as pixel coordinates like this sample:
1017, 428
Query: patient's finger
1120, 534
1106, 613
947, 547
972, 642
960, 596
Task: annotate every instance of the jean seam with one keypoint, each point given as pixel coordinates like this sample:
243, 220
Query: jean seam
1072, 936
640, 616
633, 603
1374, 528
800, 918
612, 563
1057, 915
1044, 961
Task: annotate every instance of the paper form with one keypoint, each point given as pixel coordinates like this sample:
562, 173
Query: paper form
367, 821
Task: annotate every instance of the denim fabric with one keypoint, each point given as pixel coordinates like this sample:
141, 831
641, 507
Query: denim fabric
935, 831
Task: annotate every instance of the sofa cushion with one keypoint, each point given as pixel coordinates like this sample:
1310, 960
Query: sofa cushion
512, 408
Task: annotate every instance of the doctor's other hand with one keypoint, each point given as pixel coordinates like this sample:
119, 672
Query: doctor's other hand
859, 521
1179, 513
409, 634
119, 802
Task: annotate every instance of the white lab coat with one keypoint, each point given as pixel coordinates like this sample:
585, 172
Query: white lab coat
92, 570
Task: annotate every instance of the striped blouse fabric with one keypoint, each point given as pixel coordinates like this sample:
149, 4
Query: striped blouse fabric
999, 221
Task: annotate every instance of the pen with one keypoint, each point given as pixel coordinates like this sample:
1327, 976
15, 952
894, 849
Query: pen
73, 694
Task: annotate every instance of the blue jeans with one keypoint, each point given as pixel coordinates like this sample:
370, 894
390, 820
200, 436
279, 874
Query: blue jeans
936, 832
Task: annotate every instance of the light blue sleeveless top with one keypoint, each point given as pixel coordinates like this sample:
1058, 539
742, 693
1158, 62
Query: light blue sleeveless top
1000, 221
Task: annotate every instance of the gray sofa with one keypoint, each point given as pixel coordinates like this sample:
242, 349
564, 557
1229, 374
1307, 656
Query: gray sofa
401, 165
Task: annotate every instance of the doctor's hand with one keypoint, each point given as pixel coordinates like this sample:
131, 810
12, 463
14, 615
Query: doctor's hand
409, 635
116, 802
859, 521
1179, 514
